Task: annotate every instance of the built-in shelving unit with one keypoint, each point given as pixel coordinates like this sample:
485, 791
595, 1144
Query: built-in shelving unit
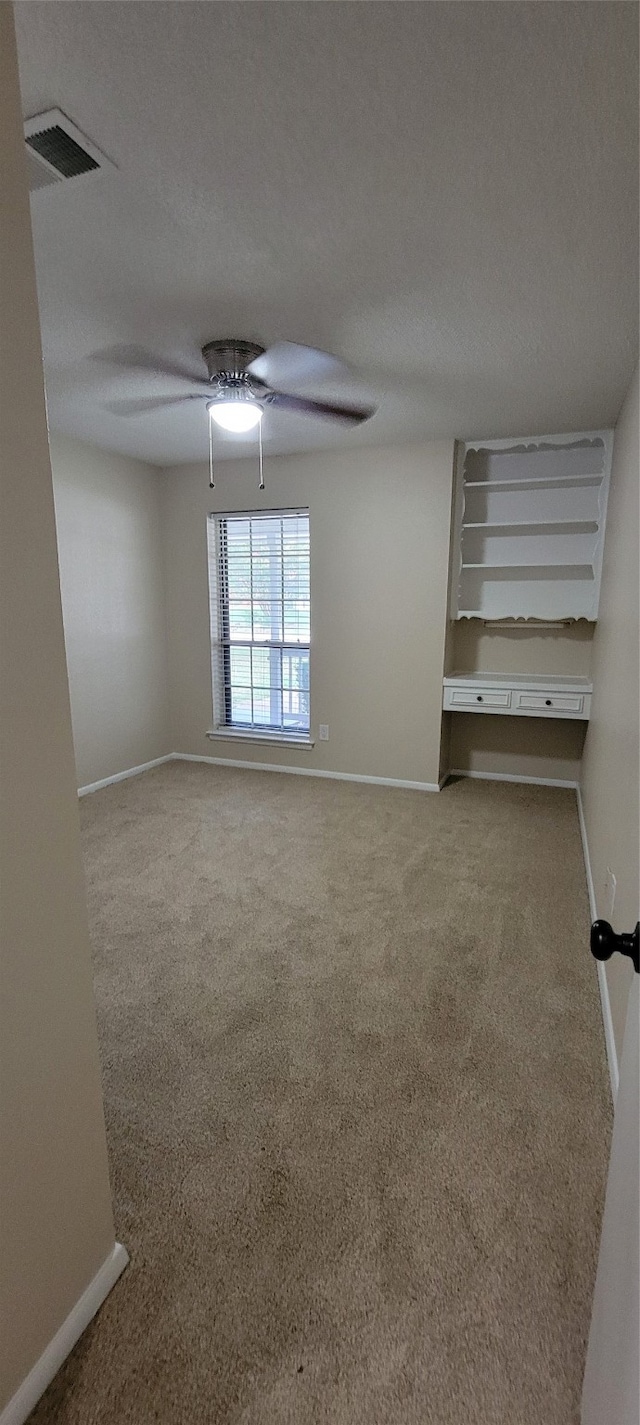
529, 527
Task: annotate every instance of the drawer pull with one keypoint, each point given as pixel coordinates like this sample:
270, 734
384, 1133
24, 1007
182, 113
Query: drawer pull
479, 698
547, 702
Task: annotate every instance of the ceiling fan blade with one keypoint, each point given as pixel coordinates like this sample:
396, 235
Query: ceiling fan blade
148, 403
287, 363
136, 358
300, 405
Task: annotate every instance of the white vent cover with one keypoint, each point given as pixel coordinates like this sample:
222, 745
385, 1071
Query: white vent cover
58, 152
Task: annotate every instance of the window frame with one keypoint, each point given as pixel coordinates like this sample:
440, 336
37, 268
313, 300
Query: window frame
221, 642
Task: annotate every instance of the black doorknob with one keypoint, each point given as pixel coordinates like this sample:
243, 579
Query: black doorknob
605, 941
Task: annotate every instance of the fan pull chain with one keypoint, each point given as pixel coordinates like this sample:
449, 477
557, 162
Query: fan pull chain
261, 485
211, 479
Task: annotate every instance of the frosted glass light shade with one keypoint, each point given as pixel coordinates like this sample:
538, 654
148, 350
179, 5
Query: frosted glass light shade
238, 416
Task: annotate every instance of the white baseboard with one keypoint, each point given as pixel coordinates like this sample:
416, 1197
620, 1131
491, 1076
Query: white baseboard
512, 777
122, 777
320, 772
612, 1055
587, 859
306, 772
41, 1375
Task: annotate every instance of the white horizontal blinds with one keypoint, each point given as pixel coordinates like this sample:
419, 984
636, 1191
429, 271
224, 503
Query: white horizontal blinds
261, 633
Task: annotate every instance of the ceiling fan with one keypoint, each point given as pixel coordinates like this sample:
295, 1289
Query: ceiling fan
244, 380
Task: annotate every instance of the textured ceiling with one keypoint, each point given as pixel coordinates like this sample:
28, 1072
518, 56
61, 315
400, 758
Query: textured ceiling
444, 194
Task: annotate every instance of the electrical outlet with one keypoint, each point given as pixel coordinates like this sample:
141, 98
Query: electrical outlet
323, 732
609, 895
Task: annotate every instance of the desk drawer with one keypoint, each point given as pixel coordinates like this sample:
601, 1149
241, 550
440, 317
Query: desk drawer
478, 698
550, 703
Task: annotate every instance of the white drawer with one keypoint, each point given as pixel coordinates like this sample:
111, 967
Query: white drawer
478, 698
550, 702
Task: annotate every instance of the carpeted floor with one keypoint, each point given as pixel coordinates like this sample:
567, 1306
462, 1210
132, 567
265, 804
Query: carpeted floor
357, 1104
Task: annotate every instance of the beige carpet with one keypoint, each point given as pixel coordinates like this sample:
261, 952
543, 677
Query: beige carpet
357, 1104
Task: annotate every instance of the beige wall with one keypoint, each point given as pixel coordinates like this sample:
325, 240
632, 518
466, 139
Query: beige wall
55, 1212
517, 746
519, 649
111, 576
610, 772
379, 522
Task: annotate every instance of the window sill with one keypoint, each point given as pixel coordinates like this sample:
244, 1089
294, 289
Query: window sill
263, 739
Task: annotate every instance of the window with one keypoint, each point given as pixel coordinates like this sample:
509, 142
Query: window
260, 621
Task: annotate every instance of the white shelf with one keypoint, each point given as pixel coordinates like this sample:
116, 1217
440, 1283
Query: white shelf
529, 545
531, 481
540, 526
525, 570
561, 683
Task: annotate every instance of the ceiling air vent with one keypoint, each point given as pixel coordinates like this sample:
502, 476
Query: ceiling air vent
58, 152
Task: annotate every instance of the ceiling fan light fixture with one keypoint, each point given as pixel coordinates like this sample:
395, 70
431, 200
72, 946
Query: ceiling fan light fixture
238, 414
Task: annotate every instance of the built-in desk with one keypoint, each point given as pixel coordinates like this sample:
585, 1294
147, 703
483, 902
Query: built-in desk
519, 695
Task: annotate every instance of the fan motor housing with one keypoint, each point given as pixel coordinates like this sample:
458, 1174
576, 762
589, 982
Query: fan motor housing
230, 357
